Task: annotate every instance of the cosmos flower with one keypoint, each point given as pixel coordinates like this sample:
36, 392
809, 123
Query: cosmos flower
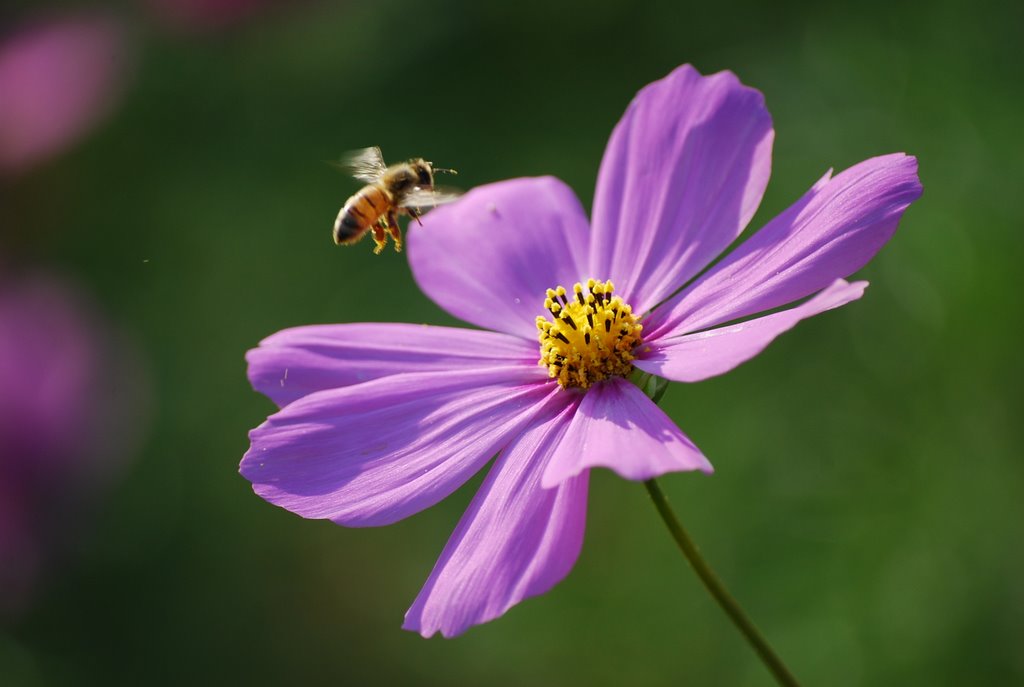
69, 400
58, 78
380, 421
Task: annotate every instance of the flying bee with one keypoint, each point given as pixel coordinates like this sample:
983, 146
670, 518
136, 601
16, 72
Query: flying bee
404, 188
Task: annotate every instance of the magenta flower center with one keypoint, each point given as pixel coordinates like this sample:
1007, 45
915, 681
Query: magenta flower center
590, 337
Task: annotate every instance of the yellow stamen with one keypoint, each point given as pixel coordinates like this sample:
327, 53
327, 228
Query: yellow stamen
590, 336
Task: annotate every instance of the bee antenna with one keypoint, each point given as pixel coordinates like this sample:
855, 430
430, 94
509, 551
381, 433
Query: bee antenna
446, 171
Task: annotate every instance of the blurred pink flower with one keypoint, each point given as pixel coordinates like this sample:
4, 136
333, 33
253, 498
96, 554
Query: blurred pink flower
58, 79
69, 415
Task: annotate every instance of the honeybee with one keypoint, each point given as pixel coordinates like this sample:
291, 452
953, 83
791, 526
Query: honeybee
403, 188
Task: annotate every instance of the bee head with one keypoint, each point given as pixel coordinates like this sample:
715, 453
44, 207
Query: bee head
424, 172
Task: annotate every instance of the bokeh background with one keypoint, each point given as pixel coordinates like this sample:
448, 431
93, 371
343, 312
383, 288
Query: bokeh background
867, 504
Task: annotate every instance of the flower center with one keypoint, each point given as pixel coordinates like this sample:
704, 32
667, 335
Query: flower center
590, 337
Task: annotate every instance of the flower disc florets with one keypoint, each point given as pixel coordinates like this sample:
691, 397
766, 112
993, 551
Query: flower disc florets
591, 336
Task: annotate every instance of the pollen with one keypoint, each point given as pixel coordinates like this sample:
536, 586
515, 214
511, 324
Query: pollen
590, 336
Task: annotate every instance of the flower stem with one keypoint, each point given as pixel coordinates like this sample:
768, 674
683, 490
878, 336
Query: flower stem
717, 589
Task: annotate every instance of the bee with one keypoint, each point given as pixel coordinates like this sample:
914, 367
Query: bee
403, 188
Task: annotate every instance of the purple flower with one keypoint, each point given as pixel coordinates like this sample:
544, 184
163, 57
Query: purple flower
57, 79
380, 421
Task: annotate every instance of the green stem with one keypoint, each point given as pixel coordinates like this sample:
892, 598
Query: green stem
717, 589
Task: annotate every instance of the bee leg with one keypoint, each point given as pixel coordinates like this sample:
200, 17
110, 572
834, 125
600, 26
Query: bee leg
415, 214
394, 229
380, 238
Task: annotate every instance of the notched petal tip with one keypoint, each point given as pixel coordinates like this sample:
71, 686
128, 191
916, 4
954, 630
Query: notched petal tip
685, 73
913, 167
414, 624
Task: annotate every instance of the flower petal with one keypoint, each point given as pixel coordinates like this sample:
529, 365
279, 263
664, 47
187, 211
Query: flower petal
830, 233
299, 361
515, 541
694, 357
489, 257
618, 427
682, 175
374, 453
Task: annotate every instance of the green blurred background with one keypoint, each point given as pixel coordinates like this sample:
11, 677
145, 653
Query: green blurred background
866, 507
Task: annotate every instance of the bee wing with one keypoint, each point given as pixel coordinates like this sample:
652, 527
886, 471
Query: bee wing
366, 165
428, 198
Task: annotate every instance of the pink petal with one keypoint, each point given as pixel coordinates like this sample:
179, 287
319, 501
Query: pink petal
618, 427
374, 453
830, 233
682, 175
517, 539
57, 81
299, 361
489, 257
694, 357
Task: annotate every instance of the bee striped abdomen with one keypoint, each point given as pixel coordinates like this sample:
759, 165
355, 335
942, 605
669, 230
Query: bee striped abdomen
361, 212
